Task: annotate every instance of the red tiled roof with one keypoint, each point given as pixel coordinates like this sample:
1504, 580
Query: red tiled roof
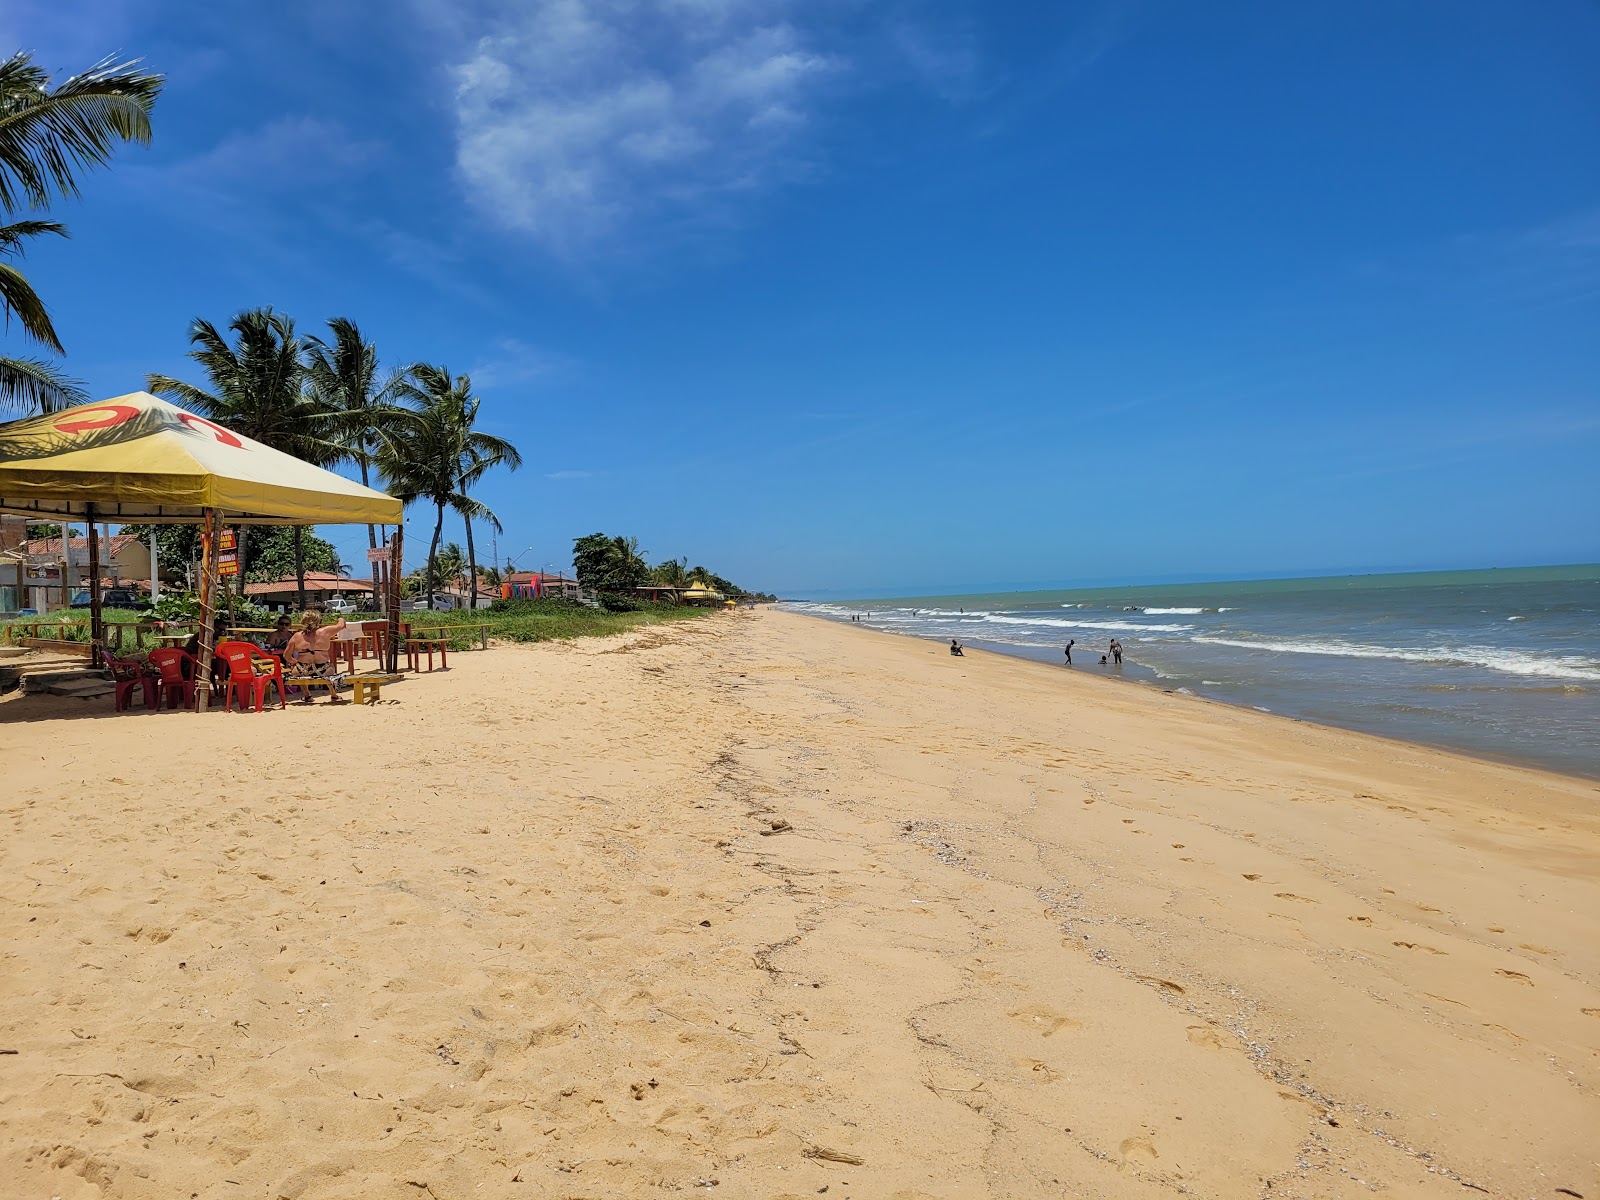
49, 546
316, 581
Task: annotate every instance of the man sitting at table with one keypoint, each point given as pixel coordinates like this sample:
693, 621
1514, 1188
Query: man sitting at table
308, 654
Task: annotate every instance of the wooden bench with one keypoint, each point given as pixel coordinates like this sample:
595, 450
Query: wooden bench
367, 688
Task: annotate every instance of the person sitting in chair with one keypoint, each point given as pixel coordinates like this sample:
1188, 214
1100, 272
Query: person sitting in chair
278, 639
955, 648
309, 655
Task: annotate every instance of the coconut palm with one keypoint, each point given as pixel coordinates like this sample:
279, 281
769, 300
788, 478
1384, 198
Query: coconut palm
438, 455
256, 390
47, 136
343, 378
450, 564
672, 573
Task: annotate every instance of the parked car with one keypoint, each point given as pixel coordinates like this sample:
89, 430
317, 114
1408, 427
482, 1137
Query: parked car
341, 607
113, 597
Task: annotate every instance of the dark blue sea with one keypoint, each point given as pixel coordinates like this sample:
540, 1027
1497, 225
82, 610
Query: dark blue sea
1501, 663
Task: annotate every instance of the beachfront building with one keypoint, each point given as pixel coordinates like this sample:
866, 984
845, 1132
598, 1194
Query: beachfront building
454, 596
321, 587
36, 575
530, 585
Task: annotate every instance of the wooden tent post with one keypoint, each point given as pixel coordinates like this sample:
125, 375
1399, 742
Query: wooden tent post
208, 598
97, 624
396, 553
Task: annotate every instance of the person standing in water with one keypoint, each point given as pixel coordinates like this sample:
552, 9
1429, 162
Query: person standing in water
1116, 652
1071, 642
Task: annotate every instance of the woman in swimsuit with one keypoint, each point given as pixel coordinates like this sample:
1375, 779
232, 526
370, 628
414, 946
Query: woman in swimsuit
308, 653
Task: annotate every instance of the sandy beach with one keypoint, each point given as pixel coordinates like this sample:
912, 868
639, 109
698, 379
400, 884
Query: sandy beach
764, 906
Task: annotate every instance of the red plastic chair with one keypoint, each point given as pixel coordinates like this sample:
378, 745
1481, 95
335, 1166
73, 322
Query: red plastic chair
127, 675
177, 675
243, 678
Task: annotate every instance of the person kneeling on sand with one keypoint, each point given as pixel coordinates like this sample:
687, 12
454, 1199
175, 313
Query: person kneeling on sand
308, 654
955, 648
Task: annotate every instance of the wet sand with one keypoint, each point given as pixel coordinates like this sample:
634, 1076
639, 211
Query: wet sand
528, 929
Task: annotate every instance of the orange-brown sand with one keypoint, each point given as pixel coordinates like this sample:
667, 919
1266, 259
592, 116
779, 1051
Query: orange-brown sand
526, 930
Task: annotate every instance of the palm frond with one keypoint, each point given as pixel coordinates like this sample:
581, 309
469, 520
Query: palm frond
11, 235
48, 135
19, 300
32, 385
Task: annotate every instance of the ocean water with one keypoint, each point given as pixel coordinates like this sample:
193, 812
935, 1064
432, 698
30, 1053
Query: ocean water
1501, 663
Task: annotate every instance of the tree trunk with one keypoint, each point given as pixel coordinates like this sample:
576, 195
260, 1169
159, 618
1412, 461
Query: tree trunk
372, 531
472, 570
300, 567
433, 554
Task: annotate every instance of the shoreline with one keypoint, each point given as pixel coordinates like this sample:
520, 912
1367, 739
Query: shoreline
1473, 755
748, 903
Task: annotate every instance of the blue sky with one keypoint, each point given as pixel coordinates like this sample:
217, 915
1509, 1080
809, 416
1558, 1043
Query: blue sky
850, 297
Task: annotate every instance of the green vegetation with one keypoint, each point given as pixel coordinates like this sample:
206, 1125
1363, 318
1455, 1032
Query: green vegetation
544, 620
613, 568
47, 136
438, 455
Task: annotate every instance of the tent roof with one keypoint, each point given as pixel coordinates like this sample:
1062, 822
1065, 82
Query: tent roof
137, 458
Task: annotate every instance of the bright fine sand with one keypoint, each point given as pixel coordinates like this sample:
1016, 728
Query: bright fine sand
526, 930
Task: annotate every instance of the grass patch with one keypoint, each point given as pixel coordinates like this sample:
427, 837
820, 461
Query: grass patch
72, 625
542, 621
509, 620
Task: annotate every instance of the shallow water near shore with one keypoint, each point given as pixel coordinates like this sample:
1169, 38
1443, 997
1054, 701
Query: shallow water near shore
1501, 663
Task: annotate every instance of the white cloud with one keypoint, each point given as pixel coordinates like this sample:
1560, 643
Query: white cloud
576, 117
569, 475
514, 363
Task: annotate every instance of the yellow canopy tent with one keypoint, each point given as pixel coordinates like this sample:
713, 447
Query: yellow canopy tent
137, 458
701, 593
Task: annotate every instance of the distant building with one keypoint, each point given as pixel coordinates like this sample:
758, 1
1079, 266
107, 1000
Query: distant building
321, 586
530, 585
32, 574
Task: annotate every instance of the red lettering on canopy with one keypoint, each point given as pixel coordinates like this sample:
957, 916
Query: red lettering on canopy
119, 414
222, 435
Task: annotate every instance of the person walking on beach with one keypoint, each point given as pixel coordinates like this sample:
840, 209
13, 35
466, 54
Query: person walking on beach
1071, 642
1116, 652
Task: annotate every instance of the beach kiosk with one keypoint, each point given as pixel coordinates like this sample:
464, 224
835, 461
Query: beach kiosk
139, 459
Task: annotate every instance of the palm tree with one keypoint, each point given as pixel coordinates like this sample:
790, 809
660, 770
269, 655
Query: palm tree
440, 456
256, 390
672, 573
47, 135
342, 377
450, 565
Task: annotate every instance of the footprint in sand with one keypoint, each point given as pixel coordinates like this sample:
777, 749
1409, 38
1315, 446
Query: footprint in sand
1204, 1035
1362, 920
1420, 946
1536, 949
1046, 1022
1252, 878
1590, 1012
1292, 896
1177, 845
1518, 976
1138, 1150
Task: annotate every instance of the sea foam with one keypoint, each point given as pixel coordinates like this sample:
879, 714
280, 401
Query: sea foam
1510, 662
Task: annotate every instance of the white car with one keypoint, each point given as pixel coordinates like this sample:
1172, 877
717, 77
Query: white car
341, 607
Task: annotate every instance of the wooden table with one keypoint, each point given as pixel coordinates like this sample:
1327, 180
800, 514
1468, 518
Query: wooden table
418, 645
444, 631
